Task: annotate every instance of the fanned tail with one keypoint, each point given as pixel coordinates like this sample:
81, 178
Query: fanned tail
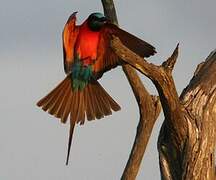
93, 102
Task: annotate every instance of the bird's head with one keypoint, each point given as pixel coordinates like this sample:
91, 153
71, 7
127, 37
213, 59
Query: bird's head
96, 21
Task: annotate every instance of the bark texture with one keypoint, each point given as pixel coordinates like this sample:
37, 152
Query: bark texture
199, 100
186, 143
149, 108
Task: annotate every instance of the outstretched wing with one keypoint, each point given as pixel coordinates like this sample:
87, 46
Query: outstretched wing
107, 59
69, 36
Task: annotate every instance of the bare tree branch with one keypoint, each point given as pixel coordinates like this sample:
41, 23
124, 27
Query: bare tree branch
173, 110
149, 107
197, 157
170, 62
199, 98
109, 10
186, 142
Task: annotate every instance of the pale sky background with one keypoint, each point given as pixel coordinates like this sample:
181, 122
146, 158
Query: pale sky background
33, 144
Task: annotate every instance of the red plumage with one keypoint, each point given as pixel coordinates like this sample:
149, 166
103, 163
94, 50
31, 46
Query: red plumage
87, 43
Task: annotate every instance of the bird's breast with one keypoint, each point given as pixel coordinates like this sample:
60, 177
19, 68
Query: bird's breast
87, 43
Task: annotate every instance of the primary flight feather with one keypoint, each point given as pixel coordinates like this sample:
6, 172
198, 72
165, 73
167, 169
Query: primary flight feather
87, 55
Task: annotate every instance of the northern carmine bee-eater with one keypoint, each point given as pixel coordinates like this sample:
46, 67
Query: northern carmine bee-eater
87, 55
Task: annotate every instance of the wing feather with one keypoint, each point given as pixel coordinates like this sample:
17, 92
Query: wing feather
69, 36
107, 59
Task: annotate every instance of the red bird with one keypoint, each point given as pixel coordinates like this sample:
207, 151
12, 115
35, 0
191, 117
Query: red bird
87, 55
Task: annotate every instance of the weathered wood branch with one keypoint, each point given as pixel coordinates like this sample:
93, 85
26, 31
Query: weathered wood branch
162, 78
199, 99
109, 10
186, 142
170, 62
197, 158
149, 107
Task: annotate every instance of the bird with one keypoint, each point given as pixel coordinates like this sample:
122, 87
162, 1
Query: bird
87, 55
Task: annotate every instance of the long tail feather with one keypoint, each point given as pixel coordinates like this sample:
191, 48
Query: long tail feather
67, 108
82, 109
70, 140
93, 102
106, 109
52, 94
89, 107
62, 106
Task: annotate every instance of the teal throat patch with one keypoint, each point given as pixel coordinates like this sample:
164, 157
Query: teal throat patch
80, 75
